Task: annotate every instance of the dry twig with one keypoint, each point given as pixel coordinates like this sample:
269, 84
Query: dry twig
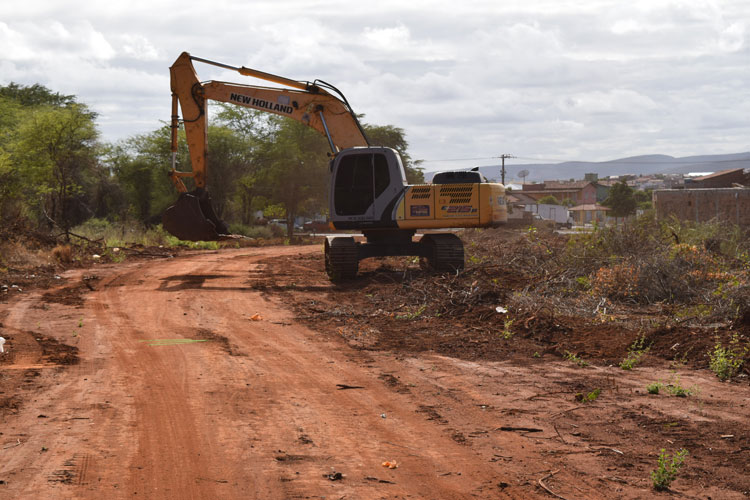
544, 486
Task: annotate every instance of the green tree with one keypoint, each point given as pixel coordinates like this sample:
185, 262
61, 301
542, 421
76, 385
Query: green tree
643, 199
11, 199
140, 164
35, 95
548, 200
56, 153
292, 170
252, 124
395, 137
229, 159
621, 200
288, 164
49, 150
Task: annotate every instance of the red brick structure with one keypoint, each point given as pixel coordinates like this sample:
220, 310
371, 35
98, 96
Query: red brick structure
579, 193
702, 205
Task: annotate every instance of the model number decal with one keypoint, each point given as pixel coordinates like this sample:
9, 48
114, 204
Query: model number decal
459, 209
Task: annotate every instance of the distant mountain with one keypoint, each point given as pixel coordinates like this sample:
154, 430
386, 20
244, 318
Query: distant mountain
634, 165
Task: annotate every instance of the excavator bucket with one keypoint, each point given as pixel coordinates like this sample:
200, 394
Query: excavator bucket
192, 218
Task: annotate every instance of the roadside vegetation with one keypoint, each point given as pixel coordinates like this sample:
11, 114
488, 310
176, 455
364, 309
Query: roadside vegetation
634, 292
56, 174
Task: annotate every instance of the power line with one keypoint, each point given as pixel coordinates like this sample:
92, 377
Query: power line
613, 162
460, 159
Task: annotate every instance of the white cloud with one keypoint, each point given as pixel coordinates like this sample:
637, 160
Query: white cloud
543, 78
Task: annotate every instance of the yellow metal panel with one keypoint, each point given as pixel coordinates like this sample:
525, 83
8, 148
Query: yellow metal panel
457, 201
420, 203
440, 206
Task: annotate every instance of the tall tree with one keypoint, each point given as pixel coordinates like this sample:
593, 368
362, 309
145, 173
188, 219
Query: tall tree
140, 165
50, 145
229, 159
56, 151
293, 170
395, 137
621, 200
35, 95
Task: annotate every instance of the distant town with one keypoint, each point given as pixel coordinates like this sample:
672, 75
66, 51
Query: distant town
700, 196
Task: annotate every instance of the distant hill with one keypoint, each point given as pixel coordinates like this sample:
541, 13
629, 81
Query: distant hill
635, 165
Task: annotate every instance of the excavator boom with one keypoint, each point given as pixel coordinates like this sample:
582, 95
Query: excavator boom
192, 217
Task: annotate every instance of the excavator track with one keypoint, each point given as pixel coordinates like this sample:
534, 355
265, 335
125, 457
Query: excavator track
443, 252
342, 261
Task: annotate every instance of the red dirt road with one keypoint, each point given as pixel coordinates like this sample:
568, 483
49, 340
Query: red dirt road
176, 392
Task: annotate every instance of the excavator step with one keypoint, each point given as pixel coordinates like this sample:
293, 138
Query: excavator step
342, 261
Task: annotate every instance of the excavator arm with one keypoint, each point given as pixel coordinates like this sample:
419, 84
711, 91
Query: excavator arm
192, 217
308, 103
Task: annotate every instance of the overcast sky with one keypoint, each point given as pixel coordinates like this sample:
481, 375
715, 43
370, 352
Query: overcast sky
547, 80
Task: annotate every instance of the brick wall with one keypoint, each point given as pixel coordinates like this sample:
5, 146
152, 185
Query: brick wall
703, 205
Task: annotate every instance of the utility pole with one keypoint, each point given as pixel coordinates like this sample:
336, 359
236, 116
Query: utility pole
504, 156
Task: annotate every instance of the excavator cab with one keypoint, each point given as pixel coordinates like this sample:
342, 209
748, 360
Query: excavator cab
192, 218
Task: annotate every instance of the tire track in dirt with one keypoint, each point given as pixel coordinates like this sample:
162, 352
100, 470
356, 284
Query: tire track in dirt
179, 393
210, 424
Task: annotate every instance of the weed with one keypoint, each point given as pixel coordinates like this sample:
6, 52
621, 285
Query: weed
507, 333
654, 388
676, 389
635, 352
700, 311
570, 356
667, 469
473, 259
537, 355
588, 398
583, 282
413, 314
726, 362
80, 323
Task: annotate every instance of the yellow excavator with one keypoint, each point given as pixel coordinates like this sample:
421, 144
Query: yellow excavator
368, 190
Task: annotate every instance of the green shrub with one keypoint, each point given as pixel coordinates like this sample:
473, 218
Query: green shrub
588, 397
507, 333
726, 362
667, 469
654, 388
635, 352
